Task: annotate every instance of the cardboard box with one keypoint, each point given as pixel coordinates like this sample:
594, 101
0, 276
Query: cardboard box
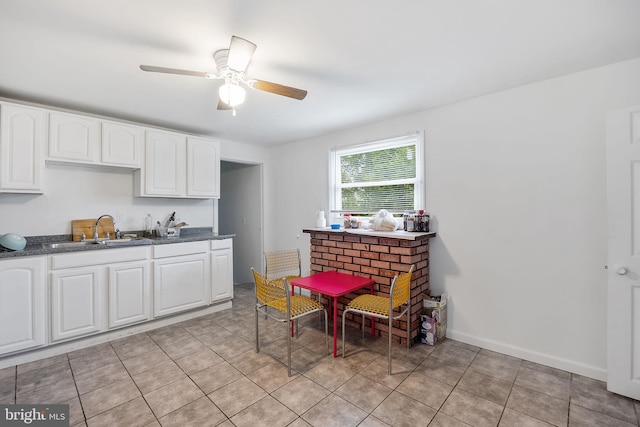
437, 301
434, 315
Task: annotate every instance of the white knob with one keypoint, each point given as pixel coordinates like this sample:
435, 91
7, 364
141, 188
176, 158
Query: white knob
622, 270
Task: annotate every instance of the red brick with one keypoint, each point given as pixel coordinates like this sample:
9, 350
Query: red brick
379, 248
361, 247
369, 270
361, 261
389, 258
403, 251
370, 255
370, 240
352, 253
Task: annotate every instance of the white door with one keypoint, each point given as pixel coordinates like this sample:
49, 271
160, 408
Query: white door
203, 167
22, 303
122, 144
623, 203
165, 173
22, 135
75, 303
222, 273
74, 138
129, 293
180, 283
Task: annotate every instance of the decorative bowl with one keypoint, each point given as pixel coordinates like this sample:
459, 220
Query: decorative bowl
335, 226
13, 241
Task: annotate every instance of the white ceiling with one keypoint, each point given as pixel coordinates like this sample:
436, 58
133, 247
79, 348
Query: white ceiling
360, 60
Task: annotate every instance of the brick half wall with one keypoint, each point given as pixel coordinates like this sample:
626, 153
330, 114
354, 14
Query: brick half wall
378, 258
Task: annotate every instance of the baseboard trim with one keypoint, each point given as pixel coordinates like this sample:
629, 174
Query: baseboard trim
79, 343
530, 355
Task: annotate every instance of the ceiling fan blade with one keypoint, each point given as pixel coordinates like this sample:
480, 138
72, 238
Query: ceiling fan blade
240, 53
223, 106
278, 89
166, 70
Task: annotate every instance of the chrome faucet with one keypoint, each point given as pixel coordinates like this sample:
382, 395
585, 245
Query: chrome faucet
95, 227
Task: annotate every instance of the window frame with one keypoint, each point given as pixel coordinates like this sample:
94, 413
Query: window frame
335, 187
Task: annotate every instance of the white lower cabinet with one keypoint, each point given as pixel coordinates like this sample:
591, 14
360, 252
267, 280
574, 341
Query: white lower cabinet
181, 278
22, 304
221, 269
76, 303
129, 293
98, 290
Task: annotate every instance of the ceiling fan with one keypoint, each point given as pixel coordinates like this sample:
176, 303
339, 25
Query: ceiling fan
231, 66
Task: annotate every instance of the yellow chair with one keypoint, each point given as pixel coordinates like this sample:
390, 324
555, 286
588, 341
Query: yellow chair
283, 264
276, 294
382, 307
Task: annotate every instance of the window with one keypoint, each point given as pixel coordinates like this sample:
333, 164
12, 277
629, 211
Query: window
379, 175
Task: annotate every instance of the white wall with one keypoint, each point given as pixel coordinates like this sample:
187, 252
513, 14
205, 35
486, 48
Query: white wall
516, 185
72, 192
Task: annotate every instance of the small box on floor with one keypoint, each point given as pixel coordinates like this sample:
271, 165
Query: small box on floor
427, 330
433, 320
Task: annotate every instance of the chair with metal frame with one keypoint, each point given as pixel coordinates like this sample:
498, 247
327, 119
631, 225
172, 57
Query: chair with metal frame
383, 307
286, 308
283, 264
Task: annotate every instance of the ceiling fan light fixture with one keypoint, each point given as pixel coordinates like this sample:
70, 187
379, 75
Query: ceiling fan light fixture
232, 94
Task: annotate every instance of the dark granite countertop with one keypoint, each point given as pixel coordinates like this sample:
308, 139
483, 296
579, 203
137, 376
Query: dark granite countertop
34, 243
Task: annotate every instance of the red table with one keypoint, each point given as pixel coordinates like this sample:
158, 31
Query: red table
335, 285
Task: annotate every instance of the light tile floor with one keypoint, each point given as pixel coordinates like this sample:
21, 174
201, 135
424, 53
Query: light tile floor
205, 372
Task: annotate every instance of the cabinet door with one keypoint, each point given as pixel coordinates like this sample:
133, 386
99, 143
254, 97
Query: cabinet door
180, 283
129, 293
22, 135
22, 304
221, 274
75, 303
203, 168
74, 138
122, 144
165, 164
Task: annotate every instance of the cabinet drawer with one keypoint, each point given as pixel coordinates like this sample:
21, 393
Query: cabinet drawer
221, 244
177, 249
104, 256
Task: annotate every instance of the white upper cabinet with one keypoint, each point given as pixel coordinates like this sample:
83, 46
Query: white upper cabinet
165, 168
74, 138
203, 167
179, 166
22, 139
122, 144
90, 141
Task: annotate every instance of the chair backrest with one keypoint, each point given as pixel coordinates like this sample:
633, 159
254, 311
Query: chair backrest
268, 290
285, 263
401, 288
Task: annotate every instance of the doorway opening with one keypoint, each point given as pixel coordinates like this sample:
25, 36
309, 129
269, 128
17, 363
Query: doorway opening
240, 213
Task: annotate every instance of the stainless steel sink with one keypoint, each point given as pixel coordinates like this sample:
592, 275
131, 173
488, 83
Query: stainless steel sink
107, 242
62, 245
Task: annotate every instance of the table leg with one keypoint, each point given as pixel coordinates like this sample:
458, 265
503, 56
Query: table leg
335, 326
373, 320
293, 292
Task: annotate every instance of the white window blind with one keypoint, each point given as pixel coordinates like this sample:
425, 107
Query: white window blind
385, 174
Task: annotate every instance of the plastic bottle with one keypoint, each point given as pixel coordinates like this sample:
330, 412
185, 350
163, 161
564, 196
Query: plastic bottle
148, 225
